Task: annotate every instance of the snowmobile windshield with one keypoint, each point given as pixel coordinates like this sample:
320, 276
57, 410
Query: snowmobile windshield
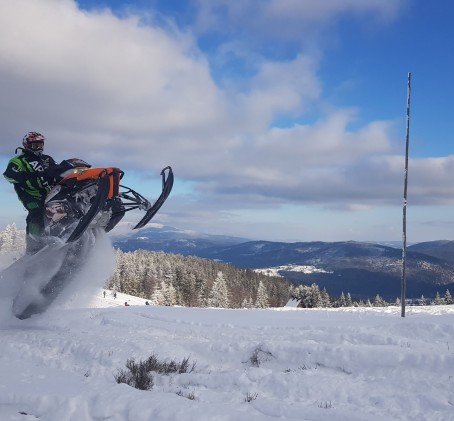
72, 166
71, 171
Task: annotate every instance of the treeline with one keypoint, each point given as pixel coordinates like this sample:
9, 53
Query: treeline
312, 297
171, 279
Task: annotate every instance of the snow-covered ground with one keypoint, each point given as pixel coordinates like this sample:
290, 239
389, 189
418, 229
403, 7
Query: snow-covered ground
275, 271
293, 364
349, 364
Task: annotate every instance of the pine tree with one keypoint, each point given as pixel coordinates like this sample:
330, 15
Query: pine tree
170, 296
448, 297
438, 300
325, 299
219, 295
12, 240
379, 302
262, 296
114, 282
342, 301
316, 296
158, 295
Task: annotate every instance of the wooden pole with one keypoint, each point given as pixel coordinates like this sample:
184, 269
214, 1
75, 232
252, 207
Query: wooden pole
404, 231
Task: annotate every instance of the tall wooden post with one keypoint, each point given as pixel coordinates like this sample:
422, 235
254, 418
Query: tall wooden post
404, 232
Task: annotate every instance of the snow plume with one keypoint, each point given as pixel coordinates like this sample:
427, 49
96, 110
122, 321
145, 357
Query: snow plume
22, 281
26, 277
92, 275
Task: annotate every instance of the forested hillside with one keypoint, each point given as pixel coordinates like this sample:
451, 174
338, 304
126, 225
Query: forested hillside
171, 279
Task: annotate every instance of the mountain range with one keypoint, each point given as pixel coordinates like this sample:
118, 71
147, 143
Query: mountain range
361, 268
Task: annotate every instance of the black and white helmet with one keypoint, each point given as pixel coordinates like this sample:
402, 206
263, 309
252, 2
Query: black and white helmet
34, 142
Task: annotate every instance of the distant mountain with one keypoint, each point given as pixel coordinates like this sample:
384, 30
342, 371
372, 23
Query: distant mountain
442, 249
355, 267
157, 237
363, 269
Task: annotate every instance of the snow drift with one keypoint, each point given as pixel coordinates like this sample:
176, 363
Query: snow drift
294, 364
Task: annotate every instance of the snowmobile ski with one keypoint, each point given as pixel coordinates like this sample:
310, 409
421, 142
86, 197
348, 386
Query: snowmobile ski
167, 184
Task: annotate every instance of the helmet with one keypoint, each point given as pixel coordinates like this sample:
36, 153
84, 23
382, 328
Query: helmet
34, 142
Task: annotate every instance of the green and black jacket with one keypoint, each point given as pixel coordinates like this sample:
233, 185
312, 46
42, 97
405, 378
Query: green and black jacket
32, 178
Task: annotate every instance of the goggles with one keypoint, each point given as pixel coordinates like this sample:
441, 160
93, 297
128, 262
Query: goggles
36, 146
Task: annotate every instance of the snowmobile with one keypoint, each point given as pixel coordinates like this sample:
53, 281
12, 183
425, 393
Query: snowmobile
85, 201
93, 197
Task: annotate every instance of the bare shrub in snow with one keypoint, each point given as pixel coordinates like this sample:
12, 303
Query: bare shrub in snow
259, 356
251, 397
139, 374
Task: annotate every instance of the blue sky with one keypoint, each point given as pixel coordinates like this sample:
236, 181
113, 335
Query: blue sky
283, 119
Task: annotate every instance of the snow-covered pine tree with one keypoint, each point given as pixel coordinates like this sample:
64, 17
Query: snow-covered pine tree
114, 282
325, 298
12, 240
342, 300
379, 301
262, 296
438, 299
219, 295
170, 296
158, 296
130, 275
448, 297
165, 295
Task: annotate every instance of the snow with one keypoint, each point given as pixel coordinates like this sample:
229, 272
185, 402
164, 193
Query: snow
317, 364
312, 364
276, 270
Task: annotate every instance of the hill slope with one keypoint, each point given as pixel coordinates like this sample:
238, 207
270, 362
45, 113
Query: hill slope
442, 249
251, 365
362, 269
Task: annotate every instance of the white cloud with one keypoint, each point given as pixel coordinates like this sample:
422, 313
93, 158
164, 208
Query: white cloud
288, 88
288, 20
79, 74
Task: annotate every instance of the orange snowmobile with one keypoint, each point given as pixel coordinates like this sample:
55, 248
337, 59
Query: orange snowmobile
88, 198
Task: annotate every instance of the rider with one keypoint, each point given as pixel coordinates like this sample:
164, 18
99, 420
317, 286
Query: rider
32, 176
